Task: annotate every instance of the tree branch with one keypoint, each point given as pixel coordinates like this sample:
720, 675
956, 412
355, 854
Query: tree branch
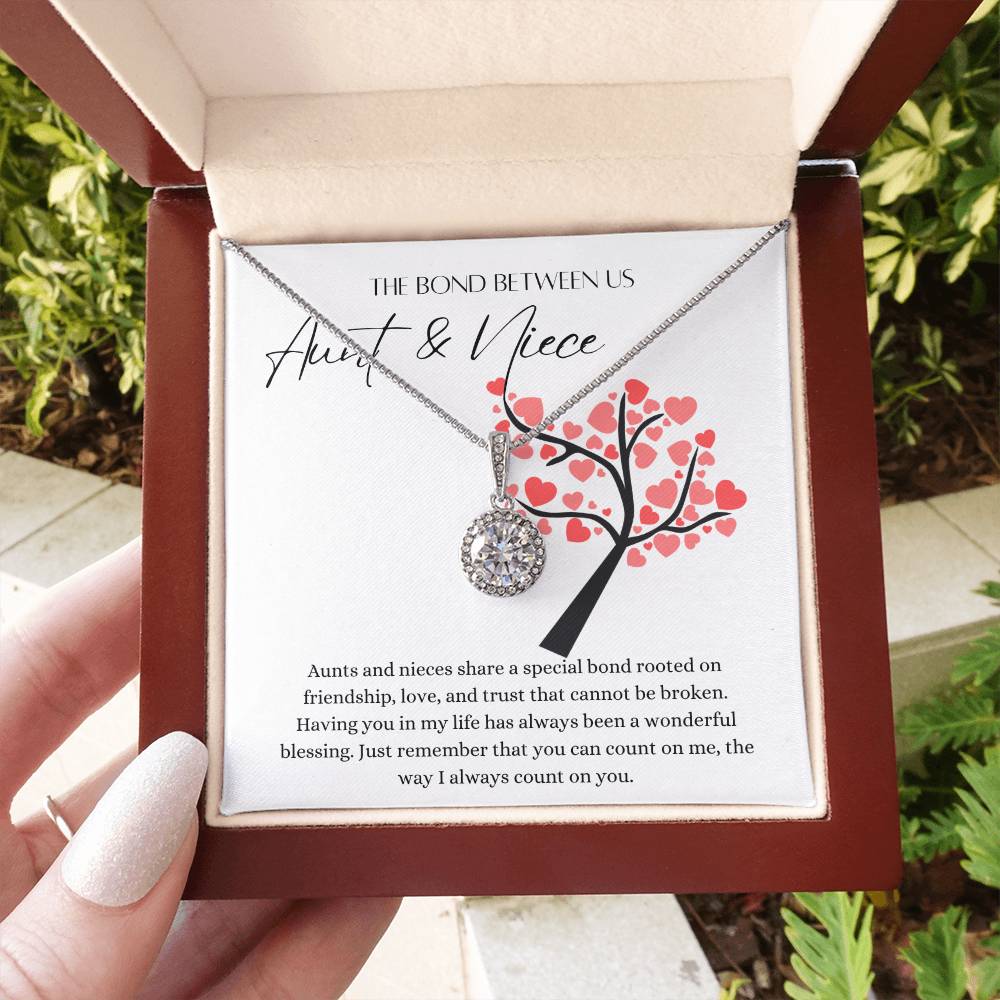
683, 530
584, 515
640, 429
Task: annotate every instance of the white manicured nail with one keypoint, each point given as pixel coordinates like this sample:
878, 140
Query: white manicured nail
132, 835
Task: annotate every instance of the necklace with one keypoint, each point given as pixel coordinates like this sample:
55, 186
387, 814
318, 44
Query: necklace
502, 551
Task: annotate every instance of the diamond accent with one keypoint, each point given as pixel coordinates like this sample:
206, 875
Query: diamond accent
502, 553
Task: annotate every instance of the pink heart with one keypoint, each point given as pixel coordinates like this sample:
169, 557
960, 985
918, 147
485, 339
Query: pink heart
512, 489
548, 451
538, 491
705, 439
647, 515
544, 527
581, 469
571, 430
602, 418
680, 452
576, 530
691, 540
635, 558
525, 451
700, 473
503, 426
594, 442
600, 473
654, 433
606, 511
530, 409
680, 409
496, 386
598, 529
726, 526
728, 497
647, 545
611, 452
650, 406
573, 500
591, 505
663, 494
666, 544
690, 513
636, 390
644, 455
706, 458
633, 417
700, 494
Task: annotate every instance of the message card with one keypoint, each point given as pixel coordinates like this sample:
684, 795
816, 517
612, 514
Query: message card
647, 652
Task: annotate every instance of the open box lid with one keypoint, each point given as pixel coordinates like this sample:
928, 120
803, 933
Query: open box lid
433, 118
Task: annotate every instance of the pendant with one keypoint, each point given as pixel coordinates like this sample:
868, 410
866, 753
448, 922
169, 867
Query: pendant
502, 552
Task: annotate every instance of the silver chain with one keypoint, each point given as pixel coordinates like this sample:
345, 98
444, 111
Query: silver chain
532, 432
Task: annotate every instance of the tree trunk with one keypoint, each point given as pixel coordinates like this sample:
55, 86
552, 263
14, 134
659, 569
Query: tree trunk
567, 630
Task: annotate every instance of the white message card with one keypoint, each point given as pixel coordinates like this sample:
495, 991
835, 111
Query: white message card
657, 656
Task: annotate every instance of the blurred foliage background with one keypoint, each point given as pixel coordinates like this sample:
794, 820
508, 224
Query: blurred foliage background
72, 268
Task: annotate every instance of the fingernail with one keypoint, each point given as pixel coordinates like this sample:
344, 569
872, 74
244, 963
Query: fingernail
136, 829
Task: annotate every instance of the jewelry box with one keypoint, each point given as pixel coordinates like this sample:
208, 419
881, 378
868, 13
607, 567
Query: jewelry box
339, 143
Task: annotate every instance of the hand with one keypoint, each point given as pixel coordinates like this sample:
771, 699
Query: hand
99, 917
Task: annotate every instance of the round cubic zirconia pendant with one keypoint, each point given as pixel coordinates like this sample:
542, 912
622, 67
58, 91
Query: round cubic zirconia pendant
502, 551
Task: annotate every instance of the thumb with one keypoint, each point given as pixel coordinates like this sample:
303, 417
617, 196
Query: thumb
93, 925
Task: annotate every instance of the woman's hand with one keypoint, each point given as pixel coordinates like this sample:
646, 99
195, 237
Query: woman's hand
99, 917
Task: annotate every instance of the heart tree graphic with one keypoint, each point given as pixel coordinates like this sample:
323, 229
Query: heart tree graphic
642, 450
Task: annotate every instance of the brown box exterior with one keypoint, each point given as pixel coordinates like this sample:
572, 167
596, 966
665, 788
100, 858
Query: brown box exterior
855, 846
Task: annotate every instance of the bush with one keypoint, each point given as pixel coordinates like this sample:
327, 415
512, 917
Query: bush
930, 186
72, 257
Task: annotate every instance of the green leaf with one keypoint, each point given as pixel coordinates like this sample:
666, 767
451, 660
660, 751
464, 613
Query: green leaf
979, 812
941, 121
913, 118
37, 400
965, 719
958, 263
986, 974
976, 208
906, 277
875, 246
924, 840
45, 134
938, 956
834, 960
66, 182
982, 10
980, 661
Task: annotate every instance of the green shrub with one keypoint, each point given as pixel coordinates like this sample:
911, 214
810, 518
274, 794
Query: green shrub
930, 185
73, 249
949, 801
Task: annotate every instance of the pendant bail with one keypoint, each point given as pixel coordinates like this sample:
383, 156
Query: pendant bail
499, 444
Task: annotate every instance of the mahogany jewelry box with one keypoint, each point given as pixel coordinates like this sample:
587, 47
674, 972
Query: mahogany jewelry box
359, 121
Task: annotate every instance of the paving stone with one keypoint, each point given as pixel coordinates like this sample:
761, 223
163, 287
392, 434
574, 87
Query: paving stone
419, 957
976, 513
931, 571
560, 947
34, 493
82, 536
